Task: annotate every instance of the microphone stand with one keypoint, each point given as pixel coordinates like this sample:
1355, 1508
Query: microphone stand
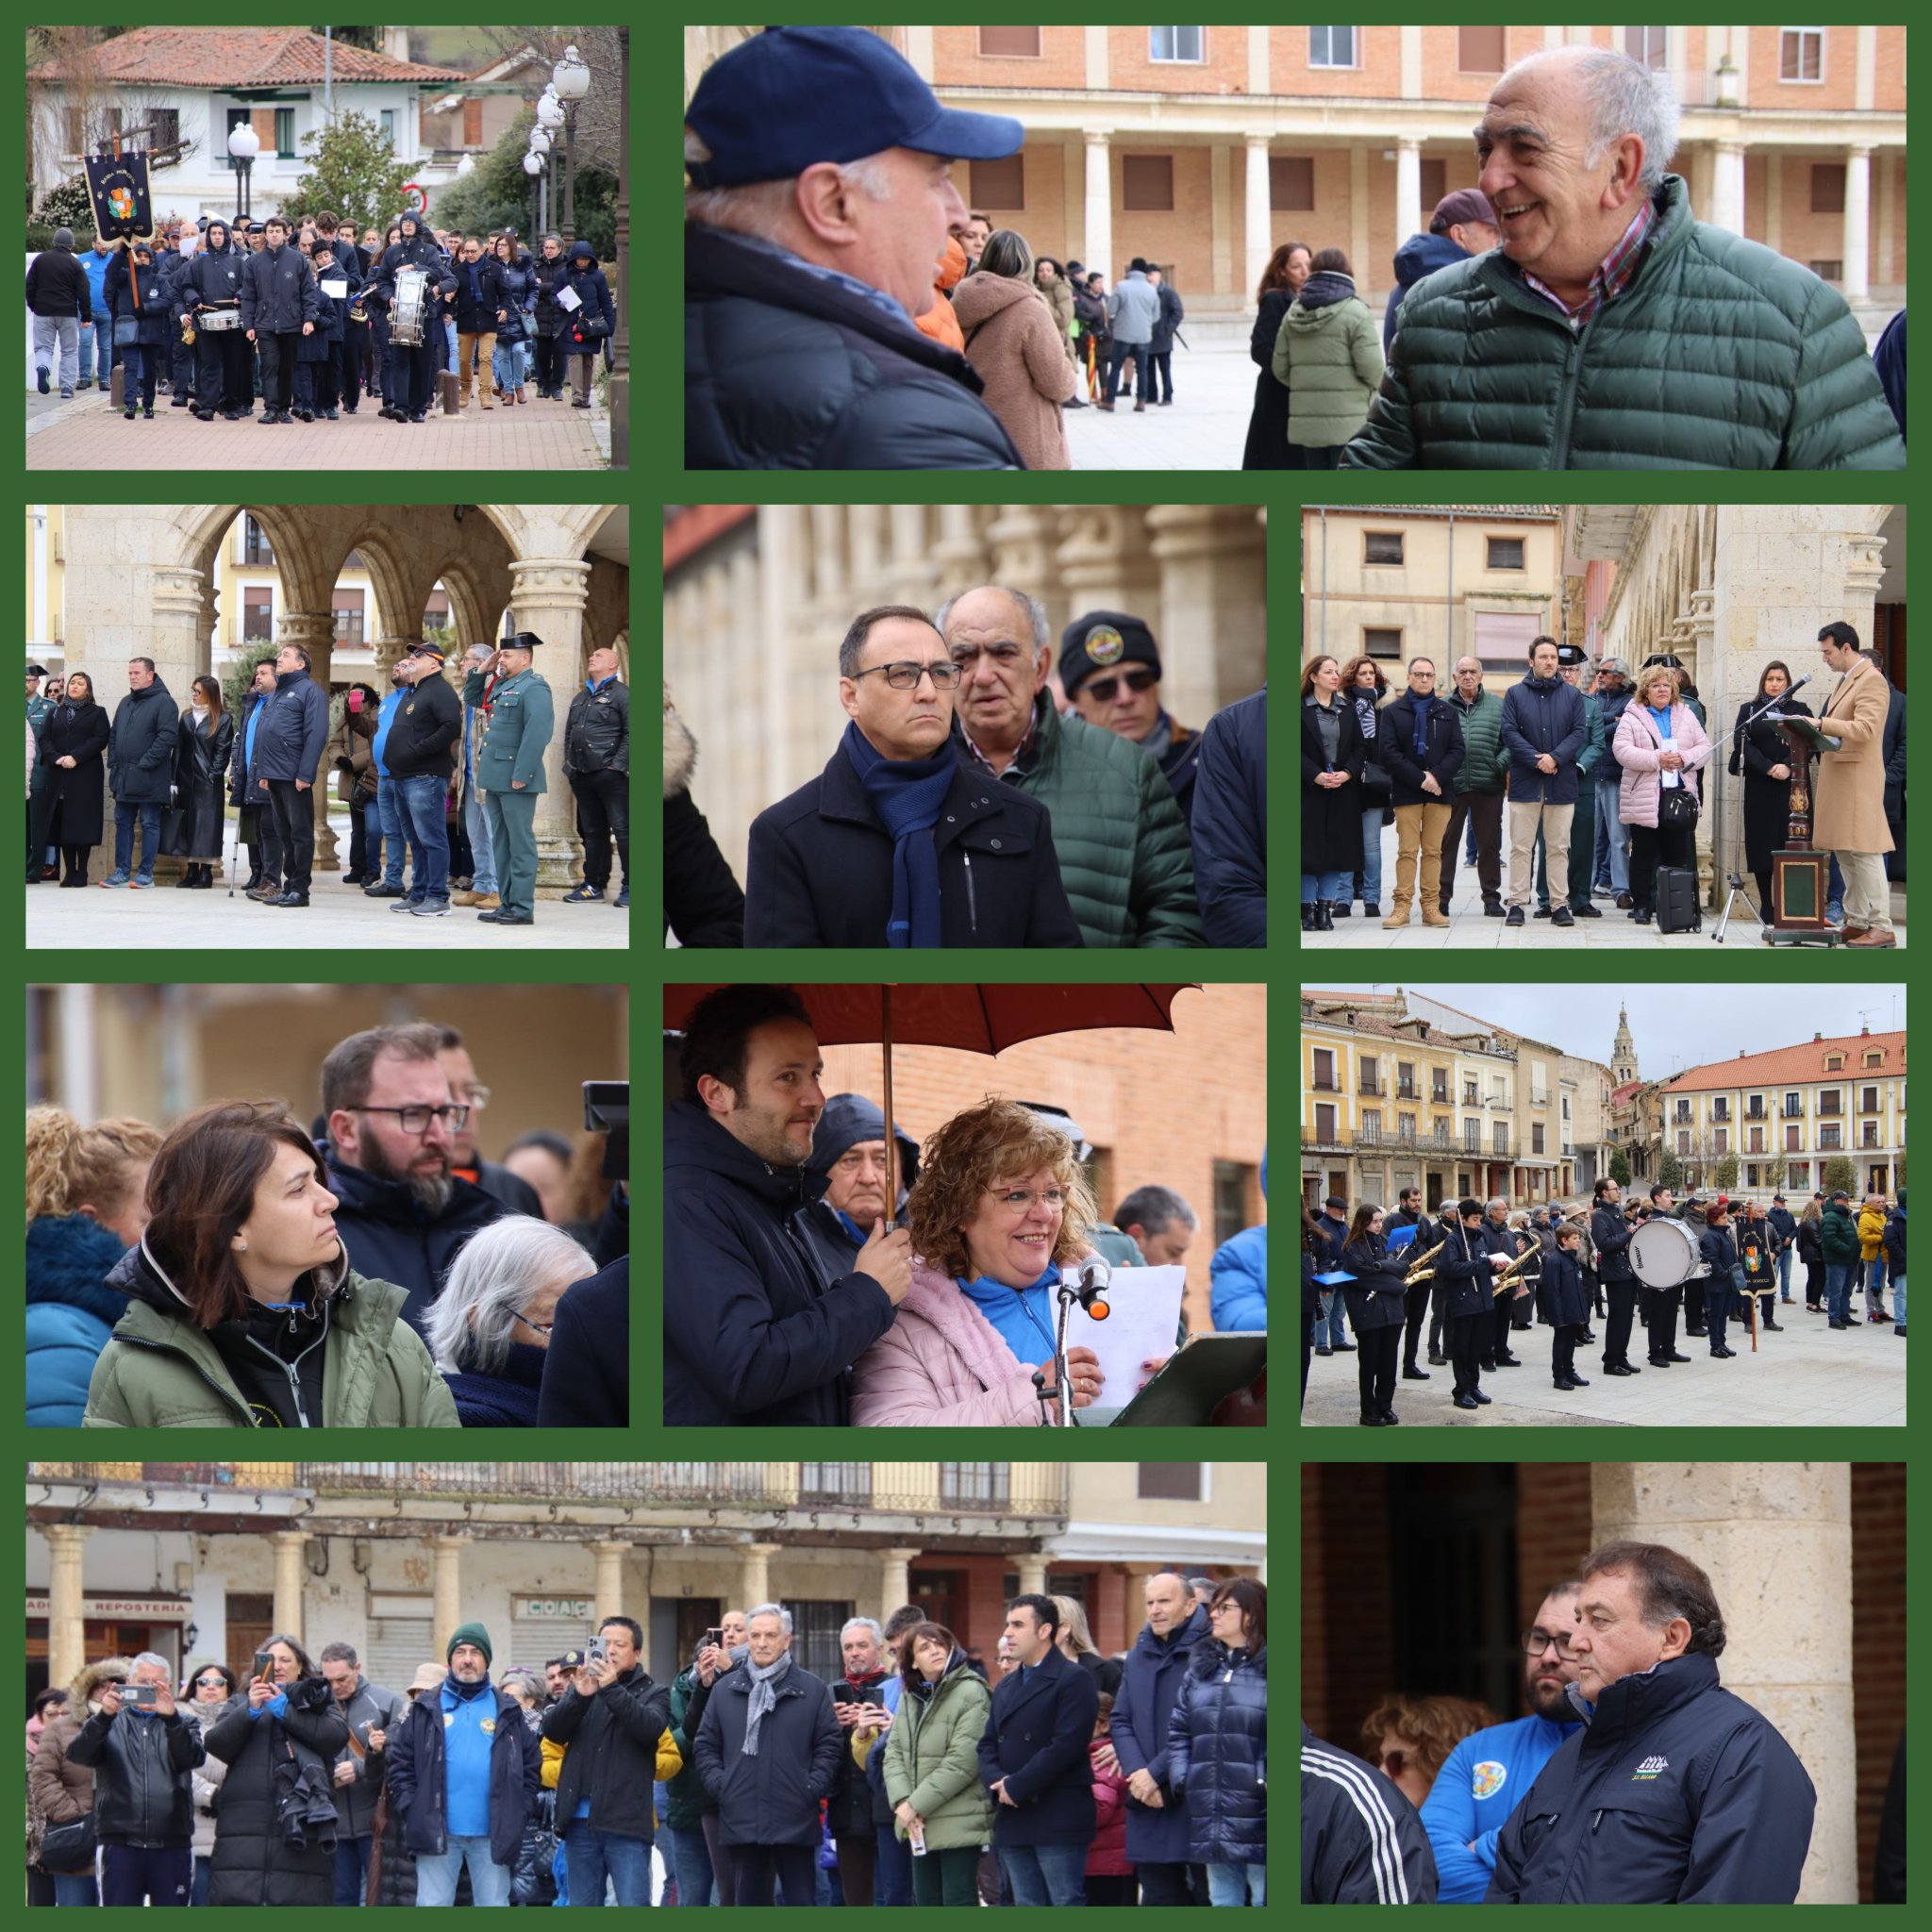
1083, 1289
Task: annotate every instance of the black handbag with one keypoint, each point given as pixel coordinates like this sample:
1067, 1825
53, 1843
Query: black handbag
68, 1847
127, 331
1676, 806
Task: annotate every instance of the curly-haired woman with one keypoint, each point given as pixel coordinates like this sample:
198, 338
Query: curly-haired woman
999, 1208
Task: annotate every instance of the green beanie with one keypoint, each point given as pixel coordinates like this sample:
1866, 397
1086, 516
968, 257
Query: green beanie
469, 1633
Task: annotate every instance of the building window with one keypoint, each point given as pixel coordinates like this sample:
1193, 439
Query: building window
1404, 1079
1175, 43
1830, 1101
1170, 1482
1683, 1144
1439, 1086
1471, 1137
1382, 546
1230, 1199
1874, 1057
1720, 1109
1010, 42
1435, 184
1793, 1142
1801, 54
1369, 1072
1001, 183
1868, 1100
285, 134
1479, 50
1324, 1059
348, 615
1382, 644
1869, 1137
1147, 184
1828, 268
1506, 553
1721, 1139
257, 615
1756, 1139
388, 128
1829, 1140
1794, 1106
1754, 1107
257, 552
1372, 1123
1536, 1137
834, 1482
1291, 183
1827, 187
815, 1630
1331, 46
985, 1483
1325, 1126
1649, 44
1499, 1138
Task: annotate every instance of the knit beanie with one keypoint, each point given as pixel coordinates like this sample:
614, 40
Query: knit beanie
470, 1633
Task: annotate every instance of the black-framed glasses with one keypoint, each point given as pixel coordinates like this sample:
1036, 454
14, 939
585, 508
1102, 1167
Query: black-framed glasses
1536, 1642
536, 1327
1102, 689
905, 675
415, 1120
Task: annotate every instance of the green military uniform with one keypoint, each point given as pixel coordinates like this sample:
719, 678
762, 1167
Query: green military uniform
39, 804
510, 775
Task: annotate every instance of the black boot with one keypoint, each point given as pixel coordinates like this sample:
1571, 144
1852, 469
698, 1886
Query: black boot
1307, 915
1324, 915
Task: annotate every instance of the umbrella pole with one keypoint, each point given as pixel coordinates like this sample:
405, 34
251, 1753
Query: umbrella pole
892, 1140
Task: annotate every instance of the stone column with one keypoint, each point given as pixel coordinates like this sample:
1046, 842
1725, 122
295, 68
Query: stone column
66, 1600
1864, 570
1032, 1572
289, 1546
1213, 606
1099, 235
1409, 187
755, 1573
1727, 187
448, 1611
607, 1598
1777, 1543
548, 595
1857, 242
314, 631
895, 1589
1259, 214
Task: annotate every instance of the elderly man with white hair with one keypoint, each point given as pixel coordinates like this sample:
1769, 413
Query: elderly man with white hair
489, 1328
1610, 329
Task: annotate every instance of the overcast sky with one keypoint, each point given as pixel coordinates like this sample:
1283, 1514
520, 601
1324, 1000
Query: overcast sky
1674, 1027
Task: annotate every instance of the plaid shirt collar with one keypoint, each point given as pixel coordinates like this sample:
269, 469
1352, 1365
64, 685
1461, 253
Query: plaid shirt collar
1613, 276
1024, 753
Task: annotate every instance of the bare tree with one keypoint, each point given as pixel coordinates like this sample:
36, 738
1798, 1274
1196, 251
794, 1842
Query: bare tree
597, 113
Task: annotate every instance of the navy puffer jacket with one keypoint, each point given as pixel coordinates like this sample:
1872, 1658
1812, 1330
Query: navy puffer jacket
1217, 1754
71, 1312
141, 751
293, 731
783, 371
389, 1235
1721, 354
1543, 715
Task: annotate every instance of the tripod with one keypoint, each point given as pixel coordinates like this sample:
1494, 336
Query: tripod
1735, 881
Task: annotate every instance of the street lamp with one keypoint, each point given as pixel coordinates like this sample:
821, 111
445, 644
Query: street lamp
571, 78
540, 153
466, 166
533, 166
244, 145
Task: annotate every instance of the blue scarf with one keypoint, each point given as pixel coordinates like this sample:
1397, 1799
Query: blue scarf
1422, 708
860, 1235
1023, 1316
476, 269
907, 793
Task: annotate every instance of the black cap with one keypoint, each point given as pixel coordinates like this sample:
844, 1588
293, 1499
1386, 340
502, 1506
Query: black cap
1840, 1195
523, 640
35, 671
1571, 654
1102, 640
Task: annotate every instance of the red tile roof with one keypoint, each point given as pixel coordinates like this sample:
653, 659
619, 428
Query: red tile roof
1620, 1094
1805, 1062
213, 58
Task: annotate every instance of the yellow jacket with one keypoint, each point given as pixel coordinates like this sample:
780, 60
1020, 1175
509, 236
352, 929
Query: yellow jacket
670, 1762
1870, 1232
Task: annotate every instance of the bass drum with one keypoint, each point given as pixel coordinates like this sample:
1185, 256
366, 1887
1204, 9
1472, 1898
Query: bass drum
412, 303
1665, 1253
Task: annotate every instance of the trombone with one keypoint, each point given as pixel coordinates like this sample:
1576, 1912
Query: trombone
1419, 1270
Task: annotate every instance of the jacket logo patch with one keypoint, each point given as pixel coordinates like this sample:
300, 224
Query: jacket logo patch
449, 1718
489, 1726
1649, 1769
1487, 1778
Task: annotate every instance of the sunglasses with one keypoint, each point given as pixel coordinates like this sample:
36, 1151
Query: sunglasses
1102, 689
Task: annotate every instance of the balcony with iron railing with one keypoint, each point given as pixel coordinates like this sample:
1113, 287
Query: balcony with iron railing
1434, 1141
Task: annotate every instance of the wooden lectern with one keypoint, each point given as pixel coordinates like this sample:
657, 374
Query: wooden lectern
1800, 877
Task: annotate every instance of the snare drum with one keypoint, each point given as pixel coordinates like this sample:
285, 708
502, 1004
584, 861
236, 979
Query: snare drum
411, 305
1665, 1253
213, 320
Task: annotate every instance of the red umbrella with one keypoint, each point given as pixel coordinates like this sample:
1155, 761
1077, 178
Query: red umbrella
976, 1019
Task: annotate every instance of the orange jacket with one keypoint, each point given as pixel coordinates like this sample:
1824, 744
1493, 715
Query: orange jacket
938, 322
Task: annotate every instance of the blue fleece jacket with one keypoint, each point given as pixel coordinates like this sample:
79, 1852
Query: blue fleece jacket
469, 1725
1237, 1279
1480, 1783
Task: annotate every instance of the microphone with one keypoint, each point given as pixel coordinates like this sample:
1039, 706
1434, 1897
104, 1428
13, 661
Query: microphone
1090, 1286
1798, 685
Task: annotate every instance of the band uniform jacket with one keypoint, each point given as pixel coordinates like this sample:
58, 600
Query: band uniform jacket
1610, 1232
1463, 1267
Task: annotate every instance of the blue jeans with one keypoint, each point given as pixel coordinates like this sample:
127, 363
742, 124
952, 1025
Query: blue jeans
1612, 853
204, 1865
1874, 1282
892, 1870
1046, 1874
124, 815
419, 804
1324, 885
1835, 893
143, 363
1237, 1885
352, 1870
436, 1877
690, 1864
389, 817
1898, 1301
1838, 1291
97, 341
1369, 879
476, 824
596, 1854
1334, 1323
1784, 1273
75, 1889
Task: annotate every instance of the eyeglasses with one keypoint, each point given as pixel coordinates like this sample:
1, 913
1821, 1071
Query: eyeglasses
478, 1097
1536, 1642
415, 1120
1101, 689
906, 675
536, 1327
1020, 1199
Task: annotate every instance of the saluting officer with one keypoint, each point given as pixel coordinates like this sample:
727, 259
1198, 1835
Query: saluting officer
509, 769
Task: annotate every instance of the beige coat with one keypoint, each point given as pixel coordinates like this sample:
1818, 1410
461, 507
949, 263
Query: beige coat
1849, 814
1011, 340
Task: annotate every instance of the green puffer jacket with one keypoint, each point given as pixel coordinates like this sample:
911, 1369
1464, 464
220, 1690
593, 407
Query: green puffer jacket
1123, 845
1838, 1234
932, 1759
1329, 359
161, 1372
1593, 746
1721, 354
1485, 763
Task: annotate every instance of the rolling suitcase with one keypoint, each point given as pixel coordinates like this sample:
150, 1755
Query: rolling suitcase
1676, 899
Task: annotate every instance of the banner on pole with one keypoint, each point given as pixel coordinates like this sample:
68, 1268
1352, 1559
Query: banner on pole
117, 186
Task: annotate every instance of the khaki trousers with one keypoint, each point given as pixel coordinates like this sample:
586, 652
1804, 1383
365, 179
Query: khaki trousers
1868, 894
476, 352
1419, 830
1524, 818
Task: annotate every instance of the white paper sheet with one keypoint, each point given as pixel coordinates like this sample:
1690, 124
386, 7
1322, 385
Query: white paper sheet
1144, 1313
335, 286
567, 300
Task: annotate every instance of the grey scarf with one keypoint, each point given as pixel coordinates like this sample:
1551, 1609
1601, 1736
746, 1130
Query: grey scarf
765, 1680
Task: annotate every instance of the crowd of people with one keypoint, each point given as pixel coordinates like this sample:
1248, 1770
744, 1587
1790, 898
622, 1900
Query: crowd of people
983, 794
799, 1290
238, 1271
1634, 1777
311, 314
1060, 1777
1603, 779
436, 776
1482, 1276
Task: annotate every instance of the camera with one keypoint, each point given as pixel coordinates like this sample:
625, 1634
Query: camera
140, 1696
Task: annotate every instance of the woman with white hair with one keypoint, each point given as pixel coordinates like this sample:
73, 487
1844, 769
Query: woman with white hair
491, 1325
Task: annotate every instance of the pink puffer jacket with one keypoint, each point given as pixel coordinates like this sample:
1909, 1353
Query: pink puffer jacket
943, 1362
1638, 749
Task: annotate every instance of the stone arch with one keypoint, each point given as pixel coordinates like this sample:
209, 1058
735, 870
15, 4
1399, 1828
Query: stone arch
298, 559
385, 559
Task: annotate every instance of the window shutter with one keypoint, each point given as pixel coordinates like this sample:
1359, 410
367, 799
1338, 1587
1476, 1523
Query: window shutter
472, 120
263, 121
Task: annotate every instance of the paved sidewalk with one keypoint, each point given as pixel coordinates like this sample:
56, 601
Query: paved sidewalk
89, 433
1471, 927
1205, 427
1805, 1375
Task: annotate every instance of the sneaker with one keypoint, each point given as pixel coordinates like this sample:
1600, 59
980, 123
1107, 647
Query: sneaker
383, 890
583, 892
430, 908
140, 881
113, 879
43, 382
624, 897
405, 904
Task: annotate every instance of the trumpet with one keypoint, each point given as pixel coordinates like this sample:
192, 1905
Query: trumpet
1419, 1270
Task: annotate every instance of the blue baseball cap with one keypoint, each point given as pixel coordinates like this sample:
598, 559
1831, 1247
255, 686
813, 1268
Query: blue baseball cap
795, 95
